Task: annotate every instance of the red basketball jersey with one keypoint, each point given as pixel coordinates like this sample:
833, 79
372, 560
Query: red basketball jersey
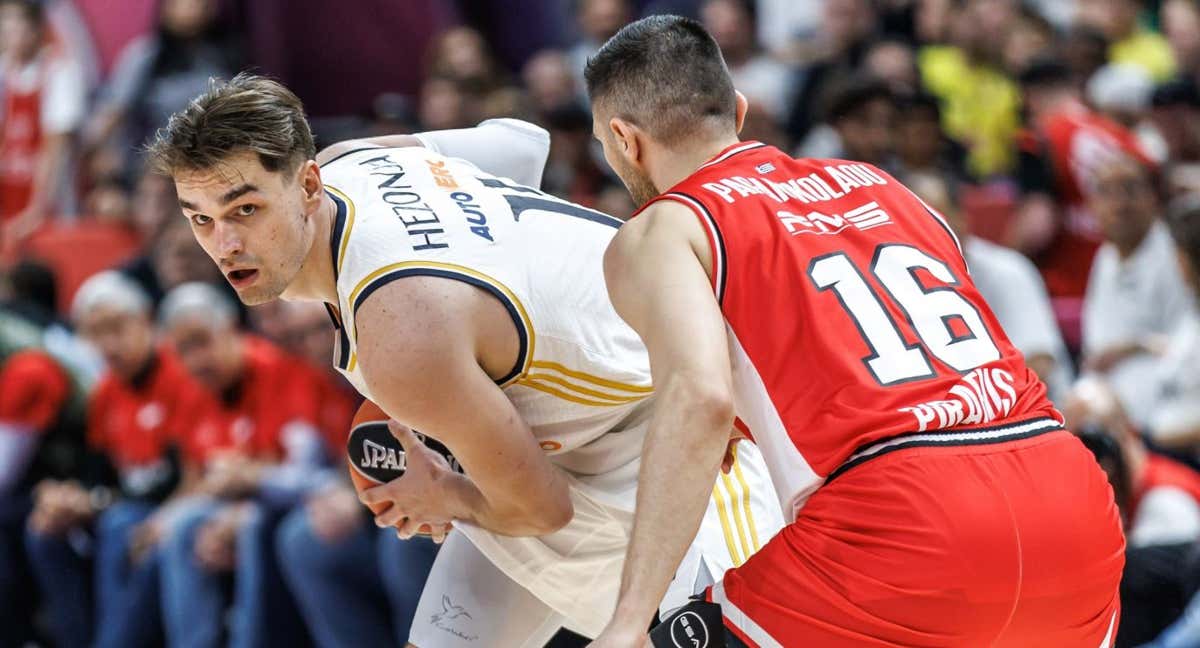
852, 318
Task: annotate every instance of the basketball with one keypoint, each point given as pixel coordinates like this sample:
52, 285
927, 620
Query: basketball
376, 457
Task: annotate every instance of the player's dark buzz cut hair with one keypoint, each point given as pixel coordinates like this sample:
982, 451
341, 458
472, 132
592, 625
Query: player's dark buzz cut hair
666, 75
247, 113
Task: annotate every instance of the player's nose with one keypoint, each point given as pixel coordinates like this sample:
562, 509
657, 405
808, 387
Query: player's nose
229, 242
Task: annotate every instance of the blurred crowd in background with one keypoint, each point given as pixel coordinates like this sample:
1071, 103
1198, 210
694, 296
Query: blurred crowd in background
170, 466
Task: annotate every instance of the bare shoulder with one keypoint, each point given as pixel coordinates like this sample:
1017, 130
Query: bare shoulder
663, 224
414, 329
409, 324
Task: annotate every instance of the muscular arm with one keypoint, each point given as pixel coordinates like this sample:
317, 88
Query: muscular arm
510, 148
657, 281
424, 343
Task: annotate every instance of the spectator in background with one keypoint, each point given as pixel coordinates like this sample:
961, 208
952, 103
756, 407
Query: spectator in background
1181, 25
1031, 37
41, 414
1174, 421
1160, 507
1130, 42
157, 75
1136, 293
895, 63
351, 579
461, 53
920, 145
571, 168
550, 82
249, 457
599, 20
1067, 141
445, 105
980, 101
1009, 283
1122, 93
1159, 496
839, 44
41, 105
1175, 113
782, 23
84, 526
860, 114
108, 202
304, 330
764, 81
1084, 50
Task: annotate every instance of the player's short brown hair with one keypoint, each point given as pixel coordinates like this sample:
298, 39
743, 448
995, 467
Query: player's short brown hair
666, 75
246, 113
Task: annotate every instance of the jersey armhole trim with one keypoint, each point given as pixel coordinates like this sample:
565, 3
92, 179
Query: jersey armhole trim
516, 310
713, 233
343, 223
341, 354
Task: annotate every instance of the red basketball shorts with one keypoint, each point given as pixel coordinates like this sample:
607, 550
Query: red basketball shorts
1014, 544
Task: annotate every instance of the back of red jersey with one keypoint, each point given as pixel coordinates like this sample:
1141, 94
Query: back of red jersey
852, 318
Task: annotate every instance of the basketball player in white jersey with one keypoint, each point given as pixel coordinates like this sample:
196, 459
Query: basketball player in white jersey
470, 306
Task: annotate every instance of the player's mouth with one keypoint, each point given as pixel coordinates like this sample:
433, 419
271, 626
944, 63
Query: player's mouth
242, 278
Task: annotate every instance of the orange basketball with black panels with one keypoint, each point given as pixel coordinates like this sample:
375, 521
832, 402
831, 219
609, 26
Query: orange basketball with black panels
376, 457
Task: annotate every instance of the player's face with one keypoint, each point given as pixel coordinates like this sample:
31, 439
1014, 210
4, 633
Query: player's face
124, 340
254, 223
641, 187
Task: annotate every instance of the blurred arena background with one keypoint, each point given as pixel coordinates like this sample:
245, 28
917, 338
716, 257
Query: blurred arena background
170, 467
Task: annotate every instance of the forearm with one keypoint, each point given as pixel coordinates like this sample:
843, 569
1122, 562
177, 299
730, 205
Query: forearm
680, 460
500, 515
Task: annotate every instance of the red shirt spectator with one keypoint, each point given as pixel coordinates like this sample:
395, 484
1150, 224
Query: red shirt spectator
1163, 472
251, 419
33, 390
337, 402
42, 103
134, 422
1076, 141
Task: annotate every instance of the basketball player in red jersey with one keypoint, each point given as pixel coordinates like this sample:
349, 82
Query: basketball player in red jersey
933, 496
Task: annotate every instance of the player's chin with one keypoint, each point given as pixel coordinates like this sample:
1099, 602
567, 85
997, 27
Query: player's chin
257, 293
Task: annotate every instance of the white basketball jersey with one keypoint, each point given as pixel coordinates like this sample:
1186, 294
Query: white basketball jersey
583, 376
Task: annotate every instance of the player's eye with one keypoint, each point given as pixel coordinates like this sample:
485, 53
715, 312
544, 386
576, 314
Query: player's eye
246, 210
200, 220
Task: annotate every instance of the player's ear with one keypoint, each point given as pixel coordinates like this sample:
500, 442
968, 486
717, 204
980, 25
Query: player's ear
743, 105
626, 136
310, 183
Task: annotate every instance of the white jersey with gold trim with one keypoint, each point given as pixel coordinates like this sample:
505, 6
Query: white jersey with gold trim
583, 375
582, 381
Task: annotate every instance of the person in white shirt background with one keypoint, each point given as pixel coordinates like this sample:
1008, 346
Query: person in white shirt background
1136, 294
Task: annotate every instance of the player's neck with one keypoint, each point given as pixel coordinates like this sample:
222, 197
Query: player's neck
316, 280
681, 163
